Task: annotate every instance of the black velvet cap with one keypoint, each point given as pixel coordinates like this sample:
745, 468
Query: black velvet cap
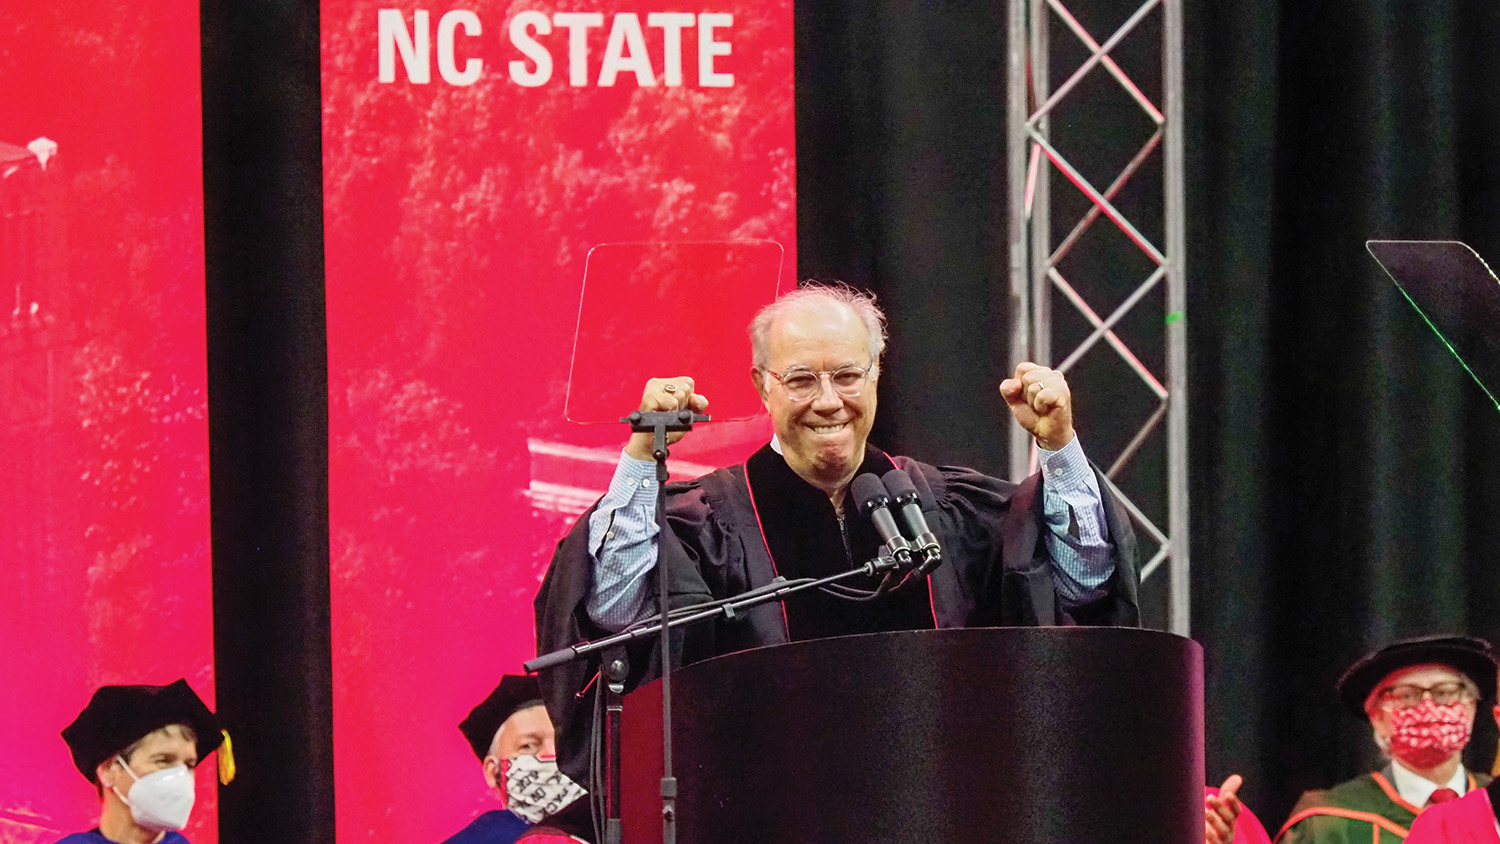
1465, 654
515, 692
119, 716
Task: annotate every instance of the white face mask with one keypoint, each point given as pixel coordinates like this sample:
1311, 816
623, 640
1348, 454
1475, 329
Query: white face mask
535, 788
161, 800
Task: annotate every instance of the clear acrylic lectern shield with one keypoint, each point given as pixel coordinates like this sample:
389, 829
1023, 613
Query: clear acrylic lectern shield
651, 310
1458, 296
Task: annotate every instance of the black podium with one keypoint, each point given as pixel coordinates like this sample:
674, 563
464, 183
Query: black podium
1014, 735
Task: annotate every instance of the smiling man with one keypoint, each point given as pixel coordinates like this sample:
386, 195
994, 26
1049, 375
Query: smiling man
1051, 550
139, 746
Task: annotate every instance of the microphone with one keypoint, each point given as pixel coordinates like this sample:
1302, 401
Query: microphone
901, 488
873, 501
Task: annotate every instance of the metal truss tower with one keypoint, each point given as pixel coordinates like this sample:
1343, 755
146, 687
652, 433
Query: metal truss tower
1079, 137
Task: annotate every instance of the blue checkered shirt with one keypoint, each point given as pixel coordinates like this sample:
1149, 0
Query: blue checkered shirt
622, 536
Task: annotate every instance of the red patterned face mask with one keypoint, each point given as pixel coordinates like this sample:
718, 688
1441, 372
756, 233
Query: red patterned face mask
1427, 734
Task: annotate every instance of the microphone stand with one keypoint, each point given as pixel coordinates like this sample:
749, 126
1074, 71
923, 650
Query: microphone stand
665, 622
658, 423
778, 590
728, 609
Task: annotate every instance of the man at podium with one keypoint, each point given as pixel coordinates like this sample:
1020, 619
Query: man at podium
1054, 549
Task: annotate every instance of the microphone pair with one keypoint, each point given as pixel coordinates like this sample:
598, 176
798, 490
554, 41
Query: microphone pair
922, 553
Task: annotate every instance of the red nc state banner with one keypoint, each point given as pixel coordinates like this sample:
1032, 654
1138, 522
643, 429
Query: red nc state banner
474, 155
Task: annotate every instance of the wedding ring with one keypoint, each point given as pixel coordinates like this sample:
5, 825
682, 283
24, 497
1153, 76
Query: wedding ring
670, 388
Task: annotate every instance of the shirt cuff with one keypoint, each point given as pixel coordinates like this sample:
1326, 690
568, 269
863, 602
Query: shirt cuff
1067, 469
634, 481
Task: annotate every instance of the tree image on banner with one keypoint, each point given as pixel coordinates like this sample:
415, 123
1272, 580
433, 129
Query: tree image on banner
459, 211
104, 552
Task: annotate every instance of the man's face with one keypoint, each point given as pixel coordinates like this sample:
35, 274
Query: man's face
1419, 676
527, 732
823, 438
165, 748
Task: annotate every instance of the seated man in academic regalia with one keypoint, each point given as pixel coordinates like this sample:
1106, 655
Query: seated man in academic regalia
139, 745
510, 733
1054, 549
1471, 819
1420, 696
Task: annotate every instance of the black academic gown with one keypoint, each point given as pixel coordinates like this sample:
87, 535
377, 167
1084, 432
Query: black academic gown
995, 571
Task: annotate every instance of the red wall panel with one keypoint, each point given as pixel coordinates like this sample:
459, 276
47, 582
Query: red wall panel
104, 560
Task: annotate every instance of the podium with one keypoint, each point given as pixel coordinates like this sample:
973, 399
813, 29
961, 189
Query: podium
1013, 735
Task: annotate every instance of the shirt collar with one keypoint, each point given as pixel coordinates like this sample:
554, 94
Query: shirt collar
1418, 790
776, 445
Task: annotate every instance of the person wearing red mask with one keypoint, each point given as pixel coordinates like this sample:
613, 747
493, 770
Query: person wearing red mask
1420, 696
1471, 819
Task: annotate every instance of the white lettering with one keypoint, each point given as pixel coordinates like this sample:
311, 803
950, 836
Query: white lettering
708, 48
520, 35
578, 24
446, 66
671, 24
394, 36
626, 51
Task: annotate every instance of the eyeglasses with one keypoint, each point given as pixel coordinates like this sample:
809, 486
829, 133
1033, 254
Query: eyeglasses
1407, 695
803, 384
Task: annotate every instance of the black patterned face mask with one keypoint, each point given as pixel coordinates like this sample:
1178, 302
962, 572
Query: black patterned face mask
535, 788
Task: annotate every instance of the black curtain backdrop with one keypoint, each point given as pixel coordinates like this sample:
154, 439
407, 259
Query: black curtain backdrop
268, 416
1345, 472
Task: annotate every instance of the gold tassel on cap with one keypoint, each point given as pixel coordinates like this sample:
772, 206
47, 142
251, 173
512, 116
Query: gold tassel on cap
1495, 769
226, 760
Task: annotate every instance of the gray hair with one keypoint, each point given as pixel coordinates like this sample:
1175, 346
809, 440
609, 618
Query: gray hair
1372, 701
495, 742
813, 294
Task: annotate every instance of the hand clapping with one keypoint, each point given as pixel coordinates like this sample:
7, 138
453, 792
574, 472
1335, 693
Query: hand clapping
1221, 811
